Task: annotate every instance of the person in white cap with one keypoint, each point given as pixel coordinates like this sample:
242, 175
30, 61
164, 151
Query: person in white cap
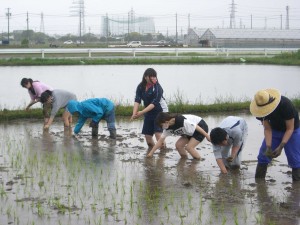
280, 120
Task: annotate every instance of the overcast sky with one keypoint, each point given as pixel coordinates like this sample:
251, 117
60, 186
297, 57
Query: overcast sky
59, 19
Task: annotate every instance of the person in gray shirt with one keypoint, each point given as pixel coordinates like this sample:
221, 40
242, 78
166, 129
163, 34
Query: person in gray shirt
230, 135
58, 99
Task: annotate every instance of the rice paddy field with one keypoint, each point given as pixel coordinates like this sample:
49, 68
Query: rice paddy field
52, 177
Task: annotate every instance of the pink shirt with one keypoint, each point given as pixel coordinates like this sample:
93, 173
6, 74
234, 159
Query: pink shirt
39, 88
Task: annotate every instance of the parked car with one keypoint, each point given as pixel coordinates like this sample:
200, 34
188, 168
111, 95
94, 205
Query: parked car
134, 44
163, 43
68, 42
79, 42
51, 45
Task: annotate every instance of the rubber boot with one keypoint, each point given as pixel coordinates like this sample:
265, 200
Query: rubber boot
94, 131
261, 170
113, 134
296, 174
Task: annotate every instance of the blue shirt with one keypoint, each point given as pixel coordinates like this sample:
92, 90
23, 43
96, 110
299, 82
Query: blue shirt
154, 95
94, 108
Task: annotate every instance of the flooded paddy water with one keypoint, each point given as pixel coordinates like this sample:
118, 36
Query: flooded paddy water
54, 178
190, 83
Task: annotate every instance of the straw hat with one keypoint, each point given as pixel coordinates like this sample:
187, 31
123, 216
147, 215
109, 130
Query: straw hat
265, 102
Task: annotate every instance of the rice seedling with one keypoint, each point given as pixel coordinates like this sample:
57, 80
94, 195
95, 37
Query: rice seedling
259, 218
235, 214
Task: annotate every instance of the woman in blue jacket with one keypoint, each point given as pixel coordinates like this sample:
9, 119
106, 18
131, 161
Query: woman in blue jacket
96, 109
151, 93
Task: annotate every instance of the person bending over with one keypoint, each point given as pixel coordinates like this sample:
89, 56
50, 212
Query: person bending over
57, 99
228, 141
191, 129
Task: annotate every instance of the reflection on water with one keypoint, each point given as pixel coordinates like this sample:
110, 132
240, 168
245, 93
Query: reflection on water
193, 83
272, 210
53, 178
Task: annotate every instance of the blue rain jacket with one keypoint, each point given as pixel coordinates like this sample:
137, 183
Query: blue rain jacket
94, 108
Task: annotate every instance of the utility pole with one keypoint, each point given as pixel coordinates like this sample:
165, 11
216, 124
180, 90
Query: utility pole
281, 22
251, 21
287, 25
232, 15
189, 22
80, 25
176, 41
27, 22
8, 14
107, 29
128, 25
42, 26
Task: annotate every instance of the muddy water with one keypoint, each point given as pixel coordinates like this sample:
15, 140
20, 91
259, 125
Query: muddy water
53, 178
192, 83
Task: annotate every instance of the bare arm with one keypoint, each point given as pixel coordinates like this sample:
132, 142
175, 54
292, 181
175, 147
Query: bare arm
234, 151
289, 131
48, 123
221, 165
156, 146
31, 103
135, 111
286, 137
267, 133
203, 132
145, 110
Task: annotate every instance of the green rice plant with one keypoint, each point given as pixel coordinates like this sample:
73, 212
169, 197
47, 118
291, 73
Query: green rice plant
190, 200
245, 215
40, 210
235, 215
224, 220
139, 211
122, 205
166, 208
93, 207
2, 191
8, 211
200, 212
259, 218
106, 212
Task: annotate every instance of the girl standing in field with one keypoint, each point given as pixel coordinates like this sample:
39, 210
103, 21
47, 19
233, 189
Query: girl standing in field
35, 90
151, 93
192, 129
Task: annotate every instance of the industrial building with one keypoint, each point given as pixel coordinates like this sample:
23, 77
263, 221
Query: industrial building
244, 38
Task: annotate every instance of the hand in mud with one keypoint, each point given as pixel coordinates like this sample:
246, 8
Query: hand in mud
277, 151
269, 152
93, 124
229, 159
149, 155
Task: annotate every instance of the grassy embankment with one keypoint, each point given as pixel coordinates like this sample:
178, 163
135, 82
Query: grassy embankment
178, 106
126, 111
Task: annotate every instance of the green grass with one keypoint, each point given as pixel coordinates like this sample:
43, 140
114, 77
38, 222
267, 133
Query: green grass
124, 111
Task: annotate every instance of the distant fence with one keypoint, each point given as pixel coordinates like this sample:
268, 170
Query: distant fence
146, 52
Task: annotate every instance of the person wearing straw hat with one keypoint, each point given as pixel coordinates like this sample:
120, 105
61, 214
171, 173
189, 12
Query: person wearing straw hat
281, 130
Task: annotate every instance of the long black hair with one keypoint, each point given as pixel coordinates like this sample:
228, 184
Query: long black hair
25, 81
162, 117
150, 72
